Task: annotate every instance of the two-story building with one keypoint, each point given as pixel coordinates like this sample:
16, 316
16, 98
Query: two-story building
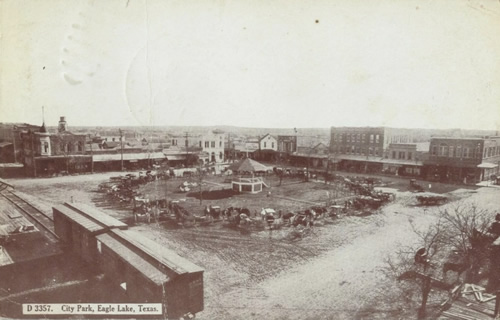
287, 145
374, 149
466, 160
268, 148
211, 144
11, 150
47, 154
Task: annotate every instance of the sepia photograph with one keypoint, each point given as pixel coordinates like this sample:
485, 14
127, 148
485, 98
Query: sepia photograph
213, 159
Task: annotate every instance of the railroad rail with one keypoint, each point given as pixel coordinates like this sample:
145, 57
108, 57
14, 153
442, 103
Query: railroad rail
41, 220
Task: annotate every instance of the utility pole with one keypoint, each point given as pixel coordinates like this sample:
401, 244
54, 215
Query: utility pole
201, 180
14, 142
229, 144
32, 134
186, 144
91, 155
121, 144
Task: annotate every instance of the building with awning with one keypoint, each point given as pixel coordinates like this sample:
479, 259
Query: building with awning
489, 170
463, 159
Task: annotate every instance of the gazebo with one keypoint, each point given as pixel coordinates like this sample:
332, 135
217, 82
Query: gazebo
248, 184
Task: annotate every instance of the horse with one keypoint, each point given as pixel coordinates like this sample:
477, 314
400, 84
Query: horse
300, 218
287, 216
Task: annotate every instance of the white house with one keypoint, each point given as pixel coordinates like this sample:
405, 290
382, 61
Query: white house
268, 142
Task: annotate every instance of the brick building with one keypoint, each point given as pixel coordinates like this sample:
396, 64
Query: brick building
46, 154
373, 149
11, 150
466, 160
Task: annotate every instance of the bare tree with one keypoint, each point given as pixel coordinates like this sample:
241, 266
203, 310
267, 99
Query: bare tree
461, 230
415, 263
466, 234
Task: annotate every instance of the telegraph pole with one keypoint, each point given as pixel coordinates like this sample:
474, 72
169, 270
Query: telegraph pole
186, 144
14, 142
91, 155
121, 143
229, 144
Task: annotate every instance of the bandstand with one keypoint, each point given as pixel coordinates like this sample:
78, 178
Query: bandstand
247, 185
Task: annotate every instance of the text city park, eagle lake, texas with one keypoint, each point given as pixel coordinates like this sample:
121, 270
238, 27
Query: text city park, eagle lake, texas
97, 309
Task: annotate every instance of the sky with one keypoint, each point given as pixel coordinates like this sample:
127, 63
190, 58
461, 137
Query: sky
251, 63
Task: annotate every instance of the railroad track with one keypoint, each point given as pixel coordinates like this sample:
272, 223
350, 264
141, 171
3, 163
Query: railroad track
42, 221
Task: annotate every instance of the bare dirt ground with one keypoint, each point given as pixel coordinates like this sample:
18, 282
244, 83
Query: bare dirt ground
332, 272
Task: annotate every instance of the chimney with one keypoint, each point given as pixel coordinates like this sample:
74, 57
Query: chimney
62, 124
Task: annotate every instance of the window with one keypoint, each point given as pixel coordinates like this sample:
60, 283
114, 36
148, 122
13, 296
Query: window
452, 151
443, 150
394, 154
458, 152
353, 149
401, 155
409, 155
46, 147
220, 144
207, 144
358, 137
265, 145
376, 151
80, 146
220, 155
377, 138
363, 138
200, 144
371, 138
348, 138
466, 152
213, 144
434, 150
272, 145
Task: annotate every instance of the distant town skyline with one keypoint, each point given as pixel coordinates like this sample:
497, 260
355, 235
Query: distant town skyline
282, 64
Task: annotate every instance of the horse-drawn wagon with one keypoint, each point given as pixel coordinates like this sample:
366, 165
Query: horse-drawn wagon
415, 187
431, 199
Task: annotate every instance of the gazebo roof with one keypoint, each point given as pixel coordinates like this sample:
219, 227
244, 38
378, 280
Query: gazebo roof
248, 165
